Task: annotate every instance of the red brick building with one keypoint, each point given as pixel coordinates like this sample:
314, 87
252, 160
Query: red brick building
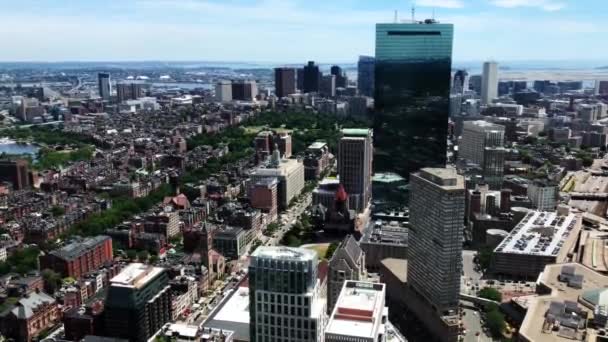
29, 316
263, 196
79, 257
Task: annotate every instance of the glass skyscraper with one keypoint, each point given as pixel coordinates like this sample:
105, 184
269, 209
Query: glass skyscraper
412, 95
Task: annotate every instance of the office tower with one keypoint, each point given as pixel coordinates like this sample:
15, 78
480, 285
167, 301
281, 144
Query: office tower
475, 83
360, 314
489, 82
129, 91
244, 90
476, 136
347, 263
15, 172
300, 79
365, 75
285, 302
355, 156
341, 79
223, 91
104, 85
435, 236
284, 81
312, 78
328, 86
138, 303
413, 70
482, 143
460, 82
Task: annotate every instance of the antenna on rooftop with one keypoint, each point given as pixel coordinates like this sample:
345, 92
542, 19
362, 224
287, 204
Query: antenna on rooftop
414, 12
396, 16
433, 13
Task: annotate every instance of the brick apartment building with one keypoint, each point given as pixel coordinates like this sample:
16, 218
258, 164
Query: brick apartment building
80, 257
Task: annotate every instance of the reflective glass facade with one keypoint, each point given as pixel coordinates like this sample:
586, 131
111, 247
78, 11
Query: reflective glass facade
412, 96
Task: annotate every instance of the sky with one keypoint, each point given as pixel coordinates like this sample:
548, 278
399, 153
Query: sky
291, 31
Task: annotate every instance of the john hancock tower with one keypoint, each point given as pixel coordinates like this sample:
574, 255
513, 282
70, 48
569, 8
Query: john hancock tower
412, 95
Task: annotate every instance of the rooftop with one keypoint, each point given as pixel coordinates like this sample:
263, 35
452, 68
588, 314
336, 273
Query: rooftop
540, 233
446, 178
284, 253
358, 311
136, 275
356, 132
77, 248
537, 324
232, 314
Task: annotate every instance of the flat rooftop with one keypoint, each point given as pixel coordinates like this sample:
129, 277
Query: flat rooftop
136, 275
385, 232
540, 233
356, 132
232, 314
284, 253
77, 248
446, 178
358, 311
317, 145
532, 326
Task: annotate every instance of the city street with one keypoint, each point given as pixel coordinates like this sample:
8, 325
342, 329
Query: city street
289, 217
472, 323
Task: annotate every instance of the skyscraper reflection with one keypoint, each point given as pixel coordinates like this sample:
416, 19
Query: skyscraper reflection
412, 95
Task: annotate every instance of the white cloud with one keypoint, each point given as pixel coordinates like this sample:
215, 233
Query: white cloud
440, 3
546, 5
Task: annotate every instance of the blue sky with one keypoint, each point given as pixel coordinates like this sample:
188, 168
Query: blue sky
291, 30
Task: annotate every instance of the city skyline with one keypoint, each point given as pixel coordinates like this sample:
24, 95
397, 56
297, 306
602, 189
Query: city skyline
196, 30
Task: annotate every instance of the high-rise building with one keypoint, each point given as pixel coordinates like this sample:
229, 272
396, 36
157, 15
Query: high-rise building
328, 86
476, 136
284, 81
355, 158
15, 172
460, 82
359, 315
285, 301
340, 76
300, 79
244, 90
413, 71
482, 143
104, 85
365, 75
475, 83
129, 91
312, 78
223, 91
138, 303
489, 82
437, 199
347, 263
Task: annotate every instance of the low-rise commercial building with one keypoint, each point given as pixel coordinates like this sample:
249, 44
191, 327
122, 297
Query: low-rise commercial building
539, 239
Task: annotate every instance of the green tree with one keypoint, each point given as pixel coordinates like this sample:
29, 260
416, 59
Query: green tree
52, 280
484, 257
331, 249
153, 259
496, 322
143, 256
57, 211
131, 254
490, 293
